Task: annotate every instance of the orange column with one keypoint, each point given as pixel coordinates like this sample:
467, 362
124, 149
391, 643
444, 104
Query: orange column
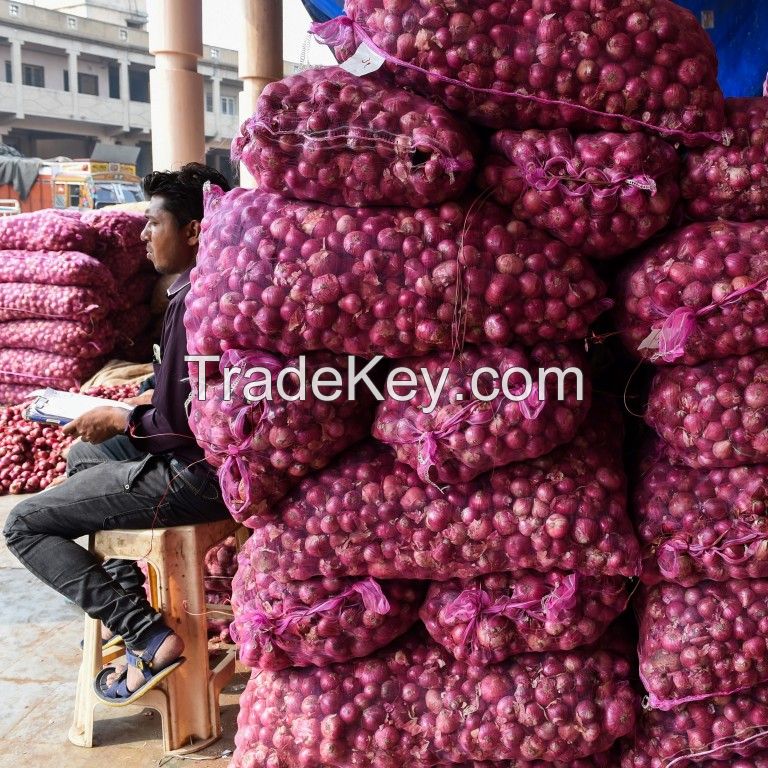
261, 57
177, 104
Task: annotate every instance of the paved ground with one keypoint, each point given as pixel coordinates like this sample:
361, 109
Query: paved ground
40, 634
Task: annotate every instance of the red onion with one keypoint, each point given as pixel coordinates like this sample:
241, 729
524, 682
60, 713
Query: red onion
47, 230
263, 448
50, 268
368, 515
463, 436
702, 641
731, 182
31, 454
136, 290
220, 566
415, 705
115, 230
28, 301
527, 53
697, 524
408, 281
700, 733
602, 194
125, 264
703, 287
488, 619
319, 621
327, 135
715, 414
72, 339
129, 324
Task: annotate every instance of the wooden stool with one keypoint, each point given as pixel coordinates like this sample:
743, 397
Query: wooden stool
188, 700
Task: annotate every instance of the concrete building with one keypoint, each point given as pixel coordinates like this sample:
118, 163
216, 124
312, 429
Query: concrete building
76, 74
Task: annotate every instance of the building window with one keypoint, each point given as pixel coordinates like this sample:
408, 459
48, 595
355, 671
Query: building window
227, 105
31, 74
87, 84
13, 9
8, 72
138, 84
114, 81
208, 101
123, 34
71, 22
214, 53
66, 79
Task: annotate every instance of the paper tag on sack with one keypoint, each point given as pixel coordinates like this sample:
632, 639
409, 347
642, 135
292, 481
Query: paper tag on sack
651, 341
363, 62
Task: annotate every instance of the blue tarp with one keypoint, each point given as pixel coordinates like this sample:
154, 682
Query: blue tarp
739, 30
322, 10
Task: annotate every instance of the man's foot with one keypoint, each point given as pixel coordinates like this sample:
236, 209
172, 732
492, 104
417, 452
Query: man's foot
170, 650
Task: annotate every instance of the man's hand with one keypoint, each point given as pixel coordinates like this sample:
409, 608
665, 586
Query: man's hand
98, 424
145, 398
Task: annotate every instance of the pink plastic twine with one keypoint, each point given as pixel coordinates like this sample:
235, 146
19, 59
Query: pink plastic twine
367, 592
545, 177
669, 552
344, 32
428, 440
472, 605
678, 326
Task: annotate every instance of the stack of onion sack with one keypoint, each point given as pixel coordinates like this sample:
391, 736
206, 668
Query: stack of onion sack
608, 65
31, 453
120, 248
53, 316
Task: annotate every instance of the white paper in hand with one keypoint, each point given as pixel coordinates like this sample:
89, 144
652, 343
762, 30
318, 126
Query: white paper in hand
363, 61
53, 406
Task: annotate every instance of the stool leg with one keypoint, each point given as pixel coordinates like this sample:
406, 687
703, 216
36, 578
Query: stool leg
81, 732
180, 572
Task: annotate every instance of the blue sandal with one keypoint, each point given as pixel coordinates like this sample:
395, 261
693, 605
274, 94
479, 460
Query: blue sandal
117, 694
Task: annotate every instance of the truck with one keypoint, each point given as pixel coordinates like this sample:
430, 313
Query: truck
67, 184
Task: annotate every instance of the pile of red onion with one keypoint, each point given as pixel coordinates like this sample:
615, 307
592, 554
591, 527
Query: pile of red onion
715, 414
463, 437
115, 230
490, 618
31, 453
369, 515
293, 277
547, 63
731, 182
602, 194
723, 728
319, 621
327, 135
703, 641
263, 448
701, 291
696, 524
414, 705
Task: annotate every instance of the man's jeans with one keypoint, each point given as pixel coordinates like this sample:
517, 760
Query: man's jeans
102, 494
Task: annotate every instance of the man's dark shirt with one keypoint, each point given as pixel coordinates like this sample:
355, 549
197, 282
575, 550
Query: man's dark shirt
163, 426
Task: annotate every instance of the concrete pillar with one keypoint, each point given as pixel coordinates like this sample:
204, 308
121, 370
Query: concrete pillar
125, 93
216, 96
177, 104
73, 91
18, 84
261, 57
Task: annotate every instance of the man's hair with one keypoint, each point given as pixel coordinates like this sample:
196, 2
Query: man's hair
182, 190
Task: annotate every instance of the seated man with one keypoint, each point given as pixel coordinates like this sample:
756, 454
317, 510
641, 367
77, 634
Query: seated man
135, 469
